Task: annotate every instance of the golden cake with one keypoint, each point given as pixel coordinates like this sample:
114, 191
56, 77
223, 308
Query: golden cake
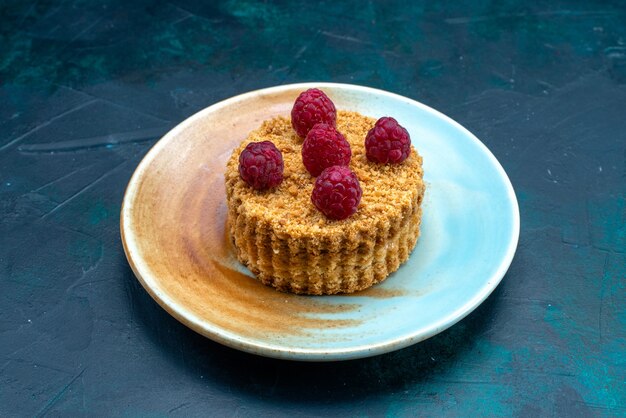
290, 245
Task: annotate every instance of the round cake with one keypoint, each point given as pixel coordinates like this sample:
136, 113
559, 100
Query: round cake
290, 245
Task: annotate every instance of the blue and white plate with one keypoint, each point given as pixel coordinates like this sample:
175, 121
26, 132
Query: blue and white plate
173, 232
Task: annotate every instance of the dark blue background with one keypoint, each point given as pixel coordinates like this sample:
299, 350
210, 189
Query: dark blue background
87, 87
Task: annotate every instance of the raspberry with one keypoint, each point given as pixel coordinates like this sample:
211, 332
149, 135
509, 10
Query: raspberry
387, 142
337, 192
261, 165
324, 147
312, 107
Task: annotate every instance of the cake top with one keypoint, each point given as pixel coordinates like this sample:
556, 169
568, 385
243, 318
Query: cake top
387, 188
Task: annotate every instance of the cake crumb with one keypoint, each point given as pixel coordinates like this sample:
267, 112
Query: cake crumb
385, 186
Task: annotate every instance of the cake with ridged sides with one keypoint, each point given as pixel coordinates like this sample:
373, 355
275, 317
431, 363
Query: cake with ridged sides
289, 244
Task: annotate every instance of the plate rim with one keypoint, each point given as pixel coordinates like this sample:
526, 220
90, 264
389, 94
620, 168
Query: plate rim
225, 337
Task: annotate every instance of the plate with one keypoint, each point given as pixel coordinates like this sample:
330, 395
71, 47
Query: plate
174, 214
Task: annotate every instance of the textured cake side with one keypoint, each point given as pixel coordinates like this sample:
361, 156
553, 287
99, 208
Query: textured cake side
324, 265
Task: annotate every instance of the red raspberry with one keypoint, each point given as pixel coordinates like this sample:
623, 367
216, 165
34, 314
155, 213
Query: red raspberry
324, 147
337, 192
387, 142
312, 107
261, 165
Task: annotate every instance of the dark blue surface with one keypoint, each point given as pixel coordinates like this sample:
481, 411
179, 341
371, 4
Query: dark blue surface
87, 87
